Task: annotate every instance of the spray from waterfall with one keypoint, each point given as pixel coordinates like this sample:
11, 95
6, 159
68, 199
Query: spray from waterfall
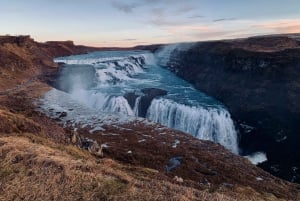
164, 54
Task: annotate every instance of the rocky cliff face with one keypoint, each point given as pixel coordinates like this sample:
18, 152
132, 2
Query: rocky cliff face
22, 59
258, 79
65, 48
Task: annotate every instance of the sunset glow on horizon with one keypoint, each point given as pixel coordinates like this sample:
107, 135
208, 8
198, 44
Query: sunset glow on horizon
123, 23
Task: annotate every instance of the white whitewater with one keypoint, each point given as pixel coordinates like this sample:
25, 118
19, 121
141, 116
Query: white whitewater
111, 71
136, 106
257, 158
118, 105
117, 73
55, 102
119, 70
103, 102
207, 124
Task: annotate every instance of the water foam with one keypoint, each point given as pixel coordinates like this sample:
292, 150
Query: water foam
103, 102
257, 158
112, 70
208, 124
136, 107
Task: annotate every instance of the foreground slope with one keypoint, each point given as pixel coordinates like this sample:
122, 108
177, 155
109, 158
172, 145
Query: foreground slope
34, 167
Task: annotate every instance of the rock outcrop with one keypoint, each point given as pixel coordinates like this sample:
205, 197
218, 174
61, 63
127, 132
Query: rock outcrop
148, 95
258, 79
23, 59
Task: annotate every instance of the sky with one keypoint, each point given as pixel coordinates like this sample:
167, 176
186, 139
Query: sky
124, 23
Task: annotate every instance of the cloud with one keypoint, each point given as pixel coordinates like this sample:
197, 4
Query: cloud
130, 7
152, 1
224, 19
190, 28
280, 26
125, 7
128, 39
184, 9
165, 2
211, 35
160, 18
169, 16
162, 21
196, 16
158, 10
162, 36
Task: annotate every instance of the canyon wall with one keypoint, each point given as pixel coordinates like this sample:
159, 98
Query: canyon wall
258, 79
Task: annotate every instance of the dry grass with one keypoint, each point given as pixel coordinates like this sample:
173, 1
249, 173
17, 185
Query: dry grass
34, 168
15, 123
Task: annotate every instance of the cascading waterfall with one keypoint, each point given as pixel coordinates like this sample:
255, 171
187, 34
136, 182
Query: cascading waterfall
208, 124
118, 105
119, 70
137, 106
103, 102
116, 73
111, 71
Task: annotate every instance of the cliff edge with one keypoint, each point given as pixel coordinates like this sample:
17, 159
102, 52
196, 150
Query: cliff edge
258, 79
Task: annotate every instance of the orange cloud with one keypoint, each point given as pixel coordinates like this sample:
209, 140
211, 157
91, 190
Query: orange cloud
191, 28
281, 26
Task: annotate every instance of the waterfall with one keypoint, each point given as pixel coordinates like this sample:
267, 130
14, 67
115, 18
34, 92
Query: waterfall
119, 70
103, 102
99, 81
118, 105
111, 70
137, 106
207, 124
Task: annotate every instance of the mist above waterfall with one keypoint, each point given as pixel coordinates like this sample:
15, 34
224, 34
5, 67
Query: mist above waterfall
164, 54
132, 84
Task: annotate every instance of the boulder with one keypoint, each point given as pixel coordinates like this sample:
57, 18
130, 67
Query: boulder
131, 97
150, 94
